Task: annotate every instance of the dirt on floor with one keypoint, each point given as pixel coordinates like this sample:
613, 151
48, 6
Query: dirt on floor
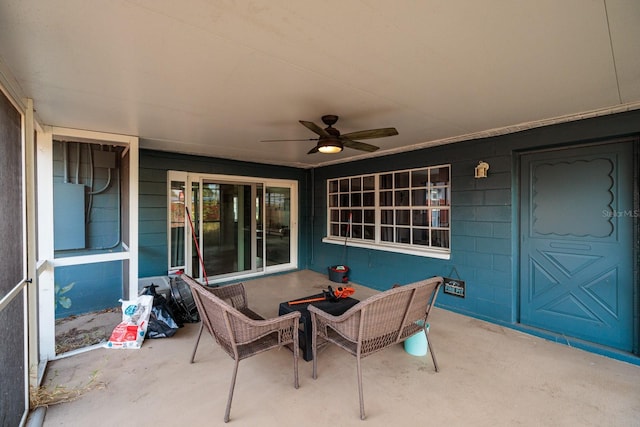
76, 332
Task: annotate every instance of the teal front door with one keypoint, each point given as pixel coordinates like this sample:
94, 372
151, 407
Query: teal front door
576, 243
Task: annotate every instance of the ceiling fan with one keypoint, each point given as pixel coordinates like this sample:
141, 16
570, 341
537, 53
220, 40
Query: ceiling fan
331, 141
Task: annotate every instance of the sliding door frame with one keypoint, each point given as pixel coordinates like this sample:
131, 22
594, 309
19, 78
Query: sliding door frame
256, 182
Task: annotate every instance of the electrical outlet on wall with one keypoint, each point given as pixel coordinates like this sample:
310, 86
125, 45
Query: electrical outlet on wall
454, 287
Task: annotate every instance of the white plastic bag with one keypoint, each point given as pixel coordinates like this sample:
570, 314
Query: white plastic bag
135, 319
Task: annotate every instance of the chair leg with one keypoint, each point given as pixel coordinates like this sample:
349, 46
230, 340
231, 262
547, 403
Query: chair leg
314, 349
362, 416
296, 352
433, 354
193, 354
233, 385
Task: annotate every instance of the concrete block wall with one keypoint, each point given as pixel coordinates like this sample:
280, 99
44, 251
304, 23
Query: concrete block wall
484, 222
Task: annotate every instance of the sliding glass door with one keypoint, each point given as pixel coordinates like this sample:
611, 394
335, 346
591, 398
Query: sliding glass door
278, 220
236, 226
227, 229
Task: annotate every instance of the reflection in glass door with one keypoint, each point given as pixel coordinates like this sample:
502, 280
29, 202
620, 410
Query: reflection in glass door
242, 227
176, 225
227, 227
278, 219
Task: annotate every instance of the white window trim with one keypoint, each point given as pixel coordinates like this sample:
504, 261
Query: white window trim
391, 247
377, 244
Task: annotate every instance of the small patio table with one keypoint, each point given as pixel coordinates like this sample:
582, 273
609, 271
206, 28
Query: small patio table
332, 307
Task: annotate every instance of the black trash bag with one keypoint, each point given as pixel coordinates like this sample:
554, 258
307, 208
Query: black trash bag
162, 323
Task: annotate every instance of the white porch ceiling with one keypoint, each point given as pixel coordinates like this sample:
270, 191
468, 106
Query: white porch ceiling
215, 77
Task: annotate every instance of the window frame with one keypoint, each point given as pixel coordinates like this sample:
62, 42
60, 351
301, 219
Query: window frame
396, 215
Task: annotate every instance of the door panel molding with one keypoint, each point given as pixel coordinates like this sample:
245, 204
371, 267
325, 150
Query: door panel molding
576, 255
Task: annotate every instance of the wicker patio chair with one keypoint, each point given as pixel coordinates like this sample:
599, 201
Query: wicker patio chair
239, 335
376, 323
235, 296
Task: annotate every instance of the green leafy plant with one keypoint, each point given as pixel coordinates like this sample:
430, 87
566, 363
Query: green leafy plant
61, 299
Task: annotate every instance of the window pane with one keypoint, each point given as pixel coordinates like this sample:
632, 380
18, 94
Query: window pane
356, 199
419, 198
211, 202
333, 186
344, 185
439, 176
177, 224
402, 217
403, 235
344, 200
357, 216
444, 218
421, 236
402, 180
386, 217
440, 196
419, 178
386, 181
440, 238
356, 184
369, 182
369, 216
421, 217
344, 215
402, 198
369, 232
439, 218
356, 231
369, 199
386, 198
333, 201
335, 215
386, 234
335, 229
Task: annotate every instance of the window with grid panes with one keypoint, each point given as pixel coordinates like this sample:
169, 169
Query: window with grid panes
408, 208
352, 208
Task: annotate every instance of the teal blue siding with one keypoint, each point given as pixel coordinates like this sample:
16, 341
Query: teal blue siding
95, 287
152, 219
484, 231
153, 242
483, 242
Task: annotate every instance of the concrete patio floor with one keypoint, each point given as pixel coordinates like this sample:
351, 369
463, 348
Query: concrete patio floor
489, 376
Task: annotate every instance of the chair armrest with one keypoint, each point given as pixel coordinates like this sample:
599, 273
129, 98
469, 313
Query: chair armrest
247, 330
346, 324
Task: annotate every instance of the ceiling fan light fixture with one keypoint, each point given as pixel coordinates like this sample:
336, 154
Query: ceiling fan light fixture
330, 146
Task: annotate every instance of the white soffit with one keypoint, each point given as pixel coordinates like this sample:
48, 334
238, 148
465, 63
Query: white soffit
214, 77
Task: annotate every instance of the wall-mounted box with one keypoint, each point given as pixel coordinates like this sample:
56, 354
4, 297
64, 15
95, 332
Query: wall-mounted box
104, 159
68, 216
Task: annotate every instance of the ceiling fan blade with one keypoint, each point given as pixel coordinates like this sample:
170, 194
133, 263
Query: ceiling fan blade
314, 128
358, 145
371, 133
313, 150
283, 140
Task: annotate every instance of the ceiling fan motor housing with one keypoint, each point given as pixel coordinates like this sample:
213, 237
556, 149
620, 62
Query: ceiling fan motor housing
329, 119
